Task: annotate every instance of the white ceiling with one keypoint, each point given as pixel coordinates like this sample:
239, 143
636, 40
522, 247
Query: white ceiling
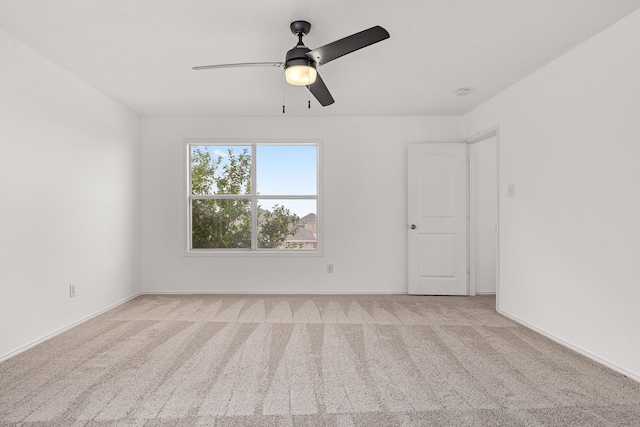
141, 52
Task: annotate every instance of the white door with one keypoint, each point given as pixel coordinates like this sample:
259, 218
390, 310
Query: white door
438, 219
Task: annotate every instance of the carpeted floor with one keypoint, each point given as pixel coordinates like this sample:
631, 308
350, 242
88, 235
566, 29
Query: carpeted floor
246, 360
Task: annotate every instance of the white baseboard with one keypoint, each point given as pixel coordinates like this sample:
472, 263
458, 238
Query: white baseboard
575, 348
64, 329
264, 292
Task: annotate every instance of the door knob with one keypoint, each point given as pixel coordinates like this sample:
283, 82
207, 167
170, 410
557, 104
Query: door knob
413, 226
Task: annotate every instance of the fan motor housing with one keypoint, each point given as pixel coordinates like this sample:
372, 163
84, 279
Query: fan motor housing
298, 53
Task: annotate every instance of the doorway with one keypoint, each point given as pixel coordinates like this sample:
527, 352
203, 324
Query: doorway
483, 215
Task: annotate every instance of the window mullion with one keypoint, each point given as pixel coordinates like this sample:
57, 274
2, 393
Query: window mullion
287, 197
219, 197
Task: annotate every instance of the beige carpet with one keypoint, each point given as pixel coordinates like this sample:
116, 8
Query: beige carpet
309, 360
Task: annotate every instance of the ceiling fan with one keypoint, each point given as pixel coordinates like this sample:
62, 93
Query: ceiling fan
300, 64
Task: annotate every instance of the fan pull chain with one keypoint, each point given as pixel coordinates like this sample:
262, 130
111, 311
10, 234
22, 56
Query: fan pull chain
283, 85
309, 87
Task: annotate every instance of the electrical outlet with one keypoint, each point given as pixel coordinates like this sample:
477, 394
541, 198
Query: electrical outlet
329, 268
72, 291
511, 190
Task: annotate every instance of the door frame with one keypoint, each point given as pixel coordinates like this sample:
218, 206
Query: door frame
479, 137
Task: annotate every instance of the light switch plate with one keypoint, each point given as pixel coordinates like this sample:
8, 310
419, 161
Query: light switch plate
511, 190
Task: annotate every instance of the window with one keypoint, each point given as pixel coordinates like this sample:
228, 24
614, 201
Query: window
253, 197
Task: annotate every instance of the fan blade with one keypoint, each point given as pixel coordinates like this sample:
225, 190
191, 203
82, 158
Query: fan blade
349, 44
320, 91
242, 64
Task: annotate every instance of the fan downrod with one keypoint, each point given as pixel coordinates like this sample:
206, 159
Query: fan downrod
300, 27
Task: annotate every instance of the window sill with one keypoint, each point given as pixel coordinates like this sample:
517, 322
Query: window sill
257, 253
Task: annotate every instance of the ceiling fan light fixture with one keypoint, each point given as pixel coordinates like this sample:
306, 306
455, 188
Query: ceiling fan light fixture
301, 75
300, 62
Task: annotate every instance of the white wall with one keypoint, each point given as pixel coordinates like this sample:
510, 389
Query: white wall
570, 238
364, 205
483, 209
69, 194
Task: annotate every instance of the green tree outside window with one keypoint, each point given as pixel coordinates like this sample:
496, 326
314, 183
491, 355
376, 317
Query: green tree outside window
225, 222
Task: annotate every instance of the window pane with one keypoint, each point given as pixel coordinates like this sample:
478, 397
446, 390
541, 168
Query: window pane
220, 169
221, 224
287, 224
287, 170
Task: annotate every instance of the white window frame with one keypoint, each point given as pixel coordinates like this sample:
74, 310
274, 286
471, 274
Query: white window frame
254, 250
